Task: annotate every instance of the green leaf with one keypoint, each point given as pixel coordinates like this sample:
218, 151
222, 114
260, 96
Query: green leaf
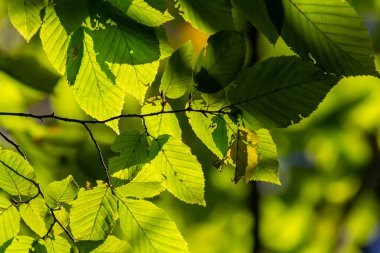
255, 156
279, 92
63, 191
14, 183
62, 216
55, 40
34, 214
25, 16
93, 213
181, 172
164, 123
146, 184
331, 33
9, 220
177, 77
72, 13
257, 13
53, 245
148, 228
20, 244
94, 91
204, 127
142, 12
197, 13
112, 245
134, 151
223, 62
74, 56
220, 134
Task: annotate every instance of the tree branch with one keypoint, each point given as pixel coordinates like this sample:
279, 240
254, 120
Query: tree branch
15, 145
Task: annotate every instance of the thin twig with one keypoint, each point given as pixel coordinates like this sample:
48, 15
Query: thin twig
15, 145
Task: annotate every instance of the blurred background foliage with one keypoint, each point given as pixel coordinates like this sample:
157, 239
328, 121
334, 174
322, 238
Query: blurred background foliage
330, 162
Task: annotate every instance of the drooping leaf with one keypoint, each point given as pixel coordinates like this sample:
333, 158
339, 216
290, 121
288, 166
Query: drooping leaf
63, 191
25, 16
34, 215
146, 184
142, 12
257, 13
223, 62
204, 127
148, 228
53, 245
9, 220
254, 156
177, 78
93, 213
11, 182
94, 91
112, 245
180, 170
279, 91
20, 244
197, 13
331, 33
220, 133
164, 123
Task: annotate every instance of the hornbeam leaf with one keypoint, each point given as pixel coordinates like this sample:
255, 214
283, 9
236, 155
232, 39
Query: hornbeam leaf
62, 216
164, 123
34, 214
142, 12
180, 170
63, 191
53, 245
11, 182
94, 91
9, 220
331, 33
25, 16
197, 13
177, 77
148, 228
279, 91
21, 244
93, 213
112, 245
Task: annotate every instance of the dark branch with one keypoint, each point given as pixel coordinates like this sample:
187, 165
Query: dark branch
17, 147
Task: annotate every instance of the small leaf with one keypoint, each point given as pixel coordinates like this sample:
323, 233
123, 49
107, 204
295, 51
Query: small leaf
34, 214
12, 183
62, 216
177, 77
181, 172
148, 228
25, 16
63, 191
9, 220
112, 245
93, 213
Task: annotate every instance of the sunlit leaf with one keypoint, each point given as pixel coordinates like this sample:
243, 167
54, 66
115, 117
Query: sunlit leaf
63, 191
53, 245
20, 244
9, 220
112, 245
34, 214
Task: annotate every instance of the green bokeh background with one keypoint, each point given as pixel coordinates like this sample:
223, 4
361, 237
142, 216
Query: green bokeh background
329, 163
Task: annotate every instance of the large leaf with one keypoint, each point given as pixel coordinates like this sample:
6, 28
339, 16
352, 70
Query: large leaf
15, 183
9, 220
53, 245
199, 14
331, 33
204, 127
25, 16
142, 12
177, 78
63, 191
112, 245
94, 91
279, 91
21, 244
34, 214
163, 123
254, 156
223, 62
181, 172
93, 213
148, 228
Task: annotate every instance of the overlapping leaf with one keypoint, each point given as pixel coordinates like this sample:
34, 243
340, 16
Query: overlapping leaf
9, 220
148, 228
25, 16
93, 213
279, 91
331, 33
12, 182
21, 244
34, 215
112, 245
63, 191
53, 245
